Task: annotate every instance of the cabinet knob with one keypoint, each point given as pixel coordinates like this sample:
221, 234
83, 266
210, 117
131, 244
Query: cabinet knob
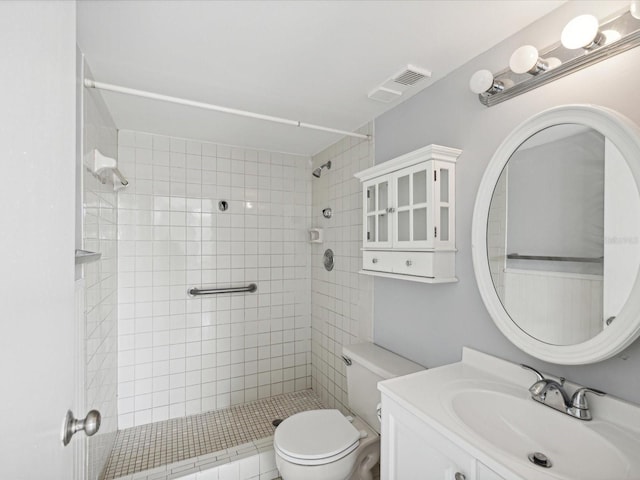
459, 476
408, 263
374, 260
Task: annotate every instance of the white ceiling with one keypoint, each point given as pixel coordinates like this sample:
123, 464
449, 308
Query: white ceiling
312, 61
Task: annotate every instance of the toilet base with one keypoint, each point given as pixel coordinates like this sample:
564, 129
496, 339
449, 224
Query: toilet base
357, 465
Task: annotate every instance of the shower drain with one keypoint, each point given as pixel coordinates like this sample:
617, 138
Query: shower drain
540, 459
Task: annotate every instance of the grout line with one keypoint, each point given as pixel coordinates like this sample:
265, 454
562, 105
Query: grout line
201, 441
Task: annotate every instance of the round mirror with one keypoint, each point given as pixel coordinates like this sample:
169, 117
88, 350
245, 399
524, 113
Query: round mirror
556, 235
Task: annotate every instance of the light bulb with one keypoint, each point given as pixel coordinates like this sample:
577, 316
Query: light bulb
523, 59
526, 59
582, 32
611, 36
481, 81
635, 9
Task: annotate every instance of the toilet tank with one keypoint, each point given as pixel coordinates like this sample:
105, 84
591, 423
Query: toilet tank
371, 364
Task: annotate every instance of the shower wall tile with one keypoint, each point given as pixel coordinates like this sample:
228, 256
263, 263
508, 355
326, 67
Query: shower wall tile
181, 355
342, 299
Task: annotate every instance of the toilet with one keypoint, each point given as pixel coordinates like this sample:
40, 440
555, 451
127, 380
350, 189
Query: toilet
326, 445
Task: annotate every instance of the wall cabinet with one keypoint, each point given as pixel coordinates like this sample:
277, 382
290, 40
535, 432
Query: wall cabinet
408, 206
411, 449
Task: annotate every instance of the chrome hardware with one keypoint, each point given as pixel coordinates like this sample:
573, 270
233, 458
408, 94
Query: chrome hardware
347, 361
551, 393
90, 424
408, 263
579, 406
538, 374
390, 210
374, 260
549, 258
327, 212
540, 459
194, 292
459, 476
223, 205
328, 259
318, 171
610, 320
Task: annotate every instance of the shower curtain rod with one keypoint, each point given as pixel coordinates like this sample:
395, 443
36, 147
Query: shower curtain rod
208, 106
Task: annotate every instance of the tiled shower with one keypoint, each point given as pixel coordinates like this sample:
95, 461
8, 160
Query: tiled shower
169, 356
181, 355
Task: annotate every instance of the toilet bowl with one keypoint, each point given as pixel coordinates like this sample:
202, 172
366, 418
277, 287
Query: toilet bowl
323, 445
326, 445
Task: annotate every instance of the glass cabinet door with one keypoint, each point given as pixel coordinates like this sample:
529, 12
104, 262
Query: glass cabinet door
414, 193
377, 226
444, 212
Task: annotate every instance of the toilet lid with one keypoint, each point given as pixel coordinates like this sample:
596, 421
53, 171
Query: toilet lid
316, 435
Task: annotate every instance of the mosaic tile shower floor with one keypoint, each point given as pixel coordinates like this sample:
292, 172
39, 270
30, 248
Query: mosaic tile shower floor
149, 446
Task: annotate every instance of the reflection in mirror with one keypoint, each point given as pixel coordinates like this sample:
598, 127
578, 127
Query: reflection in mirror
560, 223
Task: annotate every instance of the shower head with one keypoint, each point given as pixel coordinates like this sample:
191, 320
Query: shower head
318, 171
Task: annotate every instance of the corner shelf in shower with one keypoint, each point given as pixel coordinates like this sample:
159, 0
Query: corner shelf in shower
85, 256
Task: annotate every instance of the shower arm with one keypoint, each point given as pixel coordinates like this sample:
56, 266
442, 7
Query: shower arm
208, 106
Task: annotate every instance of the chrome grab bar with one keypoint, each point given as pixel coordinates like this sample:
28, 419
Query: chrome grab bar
194, 292
550, 258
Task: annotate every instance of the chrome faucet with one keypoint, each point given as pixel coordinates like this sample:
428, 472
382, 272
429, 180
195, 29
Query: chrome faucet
551, 393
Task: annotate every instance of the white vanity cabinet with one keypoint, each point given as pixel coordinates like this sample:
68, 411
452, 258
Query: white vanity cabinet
413, 450
409, 216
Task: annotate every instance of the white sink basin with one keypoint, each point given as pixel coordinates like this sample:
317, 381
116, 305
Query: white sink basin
482, 404
520, 426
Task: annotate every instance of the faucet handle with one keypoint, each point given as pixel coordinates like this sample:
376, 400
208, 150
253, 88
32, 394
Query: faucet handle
579, 398
527, 367
539, 385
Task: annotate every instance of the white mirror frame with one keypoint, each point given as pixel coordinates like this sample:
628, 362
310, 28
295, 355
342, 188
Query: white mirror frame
626, 327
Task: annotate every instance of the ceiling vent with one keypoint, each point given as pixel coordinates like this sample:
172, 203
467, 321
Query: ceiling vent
399, 83
410, 76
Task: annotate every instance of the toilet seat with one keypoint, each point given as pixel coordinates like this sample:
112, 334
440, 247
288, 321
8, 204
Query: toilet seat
315, 437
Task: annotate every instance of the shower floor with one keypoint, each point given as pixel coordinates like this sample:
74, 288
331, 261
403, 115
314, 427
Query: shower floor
148, 447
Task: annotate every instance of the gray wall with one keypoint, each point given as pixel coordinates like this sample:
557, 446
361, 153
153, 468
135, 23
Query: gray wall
430, 323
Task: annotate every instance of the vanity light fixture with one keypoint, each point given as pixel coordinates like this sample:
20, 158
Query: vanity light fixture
526, 59
584, 42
